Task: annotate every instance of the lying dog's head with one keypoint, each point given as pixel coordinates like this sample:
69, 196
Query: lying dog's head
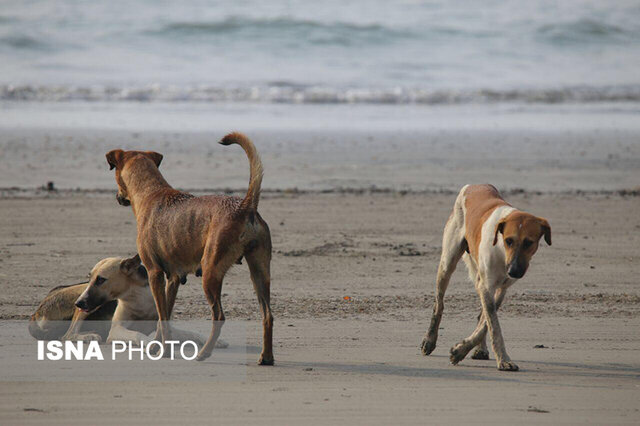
521, 233
109, 279
122, 161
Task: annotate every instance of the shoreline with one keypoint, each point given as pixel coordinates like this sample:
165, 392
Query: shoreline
43, 192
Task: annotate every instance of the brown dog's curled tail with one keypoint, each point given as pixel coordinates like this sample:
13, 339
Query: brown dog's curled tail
250, 201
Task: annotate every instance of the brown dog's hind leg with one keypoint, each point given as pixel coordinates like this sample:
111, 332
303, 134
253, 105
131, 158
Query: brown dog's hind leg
453, 247
259, 262
212, 285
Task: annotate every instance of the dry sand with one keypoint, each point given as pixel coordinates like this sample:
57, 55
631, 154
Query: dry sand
354, 361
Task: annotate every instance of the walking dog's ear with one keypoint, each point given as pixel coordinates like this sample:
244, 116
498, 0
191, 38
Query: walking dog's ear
129, 266
546, 229
499, 229
155, 156
114, 158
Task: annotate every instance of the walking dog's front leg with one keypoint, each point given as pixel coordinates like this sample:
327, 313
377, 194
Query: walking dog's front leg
490, 313
478, 337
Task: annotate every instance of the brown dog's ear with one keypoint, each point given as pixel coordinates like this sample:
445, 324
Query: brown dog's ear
155, 156
499, 229
129, 266
114, 158
546, 229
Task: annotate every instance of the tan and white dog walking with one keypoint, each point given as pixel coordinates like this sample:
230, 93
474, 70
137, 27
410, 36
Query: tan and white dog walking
497, 242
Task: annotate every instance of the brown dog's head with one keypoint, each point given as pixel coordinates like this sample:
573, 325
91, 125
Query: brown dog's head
109, 279
119, 159
521, 233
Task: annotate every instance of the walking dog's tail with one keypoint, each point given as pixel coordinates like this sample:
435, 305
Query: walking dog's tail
250, 201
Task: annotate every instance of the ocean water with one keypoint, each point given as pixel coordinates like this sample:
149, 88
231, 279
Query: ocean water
292, 52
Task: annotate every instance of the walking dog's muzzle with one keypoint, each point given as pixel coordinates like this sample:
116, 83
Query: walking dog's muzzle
516, 269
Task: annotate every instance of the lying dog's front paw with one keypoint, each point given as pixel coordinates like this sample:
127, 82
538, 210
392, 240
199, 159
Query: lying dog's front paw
507, 366
427, 346
90, 337
84, 337
221, 344
457, 354
480, 354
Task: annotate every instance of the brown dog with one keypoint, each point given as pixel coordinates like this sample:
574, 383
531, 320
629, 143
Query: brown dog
479, 216
179, 234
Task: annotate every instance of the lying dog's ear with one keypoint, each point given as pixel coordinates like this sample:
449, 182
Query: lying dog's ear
142, 272
546, 229
155, 156
499, 229
114, 158
129, 266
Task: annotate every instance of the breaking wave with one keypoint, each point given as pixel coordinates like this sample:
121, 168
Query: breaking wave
281, 92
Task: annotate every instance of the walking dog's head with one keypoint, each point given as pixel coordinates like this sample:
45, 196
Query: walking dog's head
521, 233
123, 161
109, 279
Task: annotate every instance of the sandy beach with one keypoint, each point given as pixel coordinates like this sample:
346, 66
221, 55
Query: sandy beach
354, 360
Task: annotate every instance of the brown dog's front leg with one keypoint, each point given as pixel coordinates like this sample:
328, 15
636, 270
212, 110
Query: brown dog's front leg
157, 284
172, 291
76, 323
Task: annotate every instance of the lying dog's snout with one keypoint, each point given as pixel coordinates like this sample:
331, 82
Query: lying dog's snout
122, 201
82, 304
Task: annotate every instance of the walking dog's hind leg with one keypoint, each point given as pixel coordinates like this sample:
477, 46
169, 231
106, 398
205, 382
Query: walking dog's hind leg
453, 247
259, 264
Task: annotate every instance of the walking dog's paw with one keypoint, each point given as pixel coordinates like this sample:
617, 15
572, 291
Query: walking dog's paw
265, 360
456, 354
480, 354
507, 366
427, 347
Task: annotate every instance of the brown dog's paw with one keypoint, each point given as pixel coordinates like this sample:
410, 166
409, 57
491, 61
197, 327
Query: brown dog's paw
456, 354
480, 354
202, 355
507, 366
265, 360
427, 347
